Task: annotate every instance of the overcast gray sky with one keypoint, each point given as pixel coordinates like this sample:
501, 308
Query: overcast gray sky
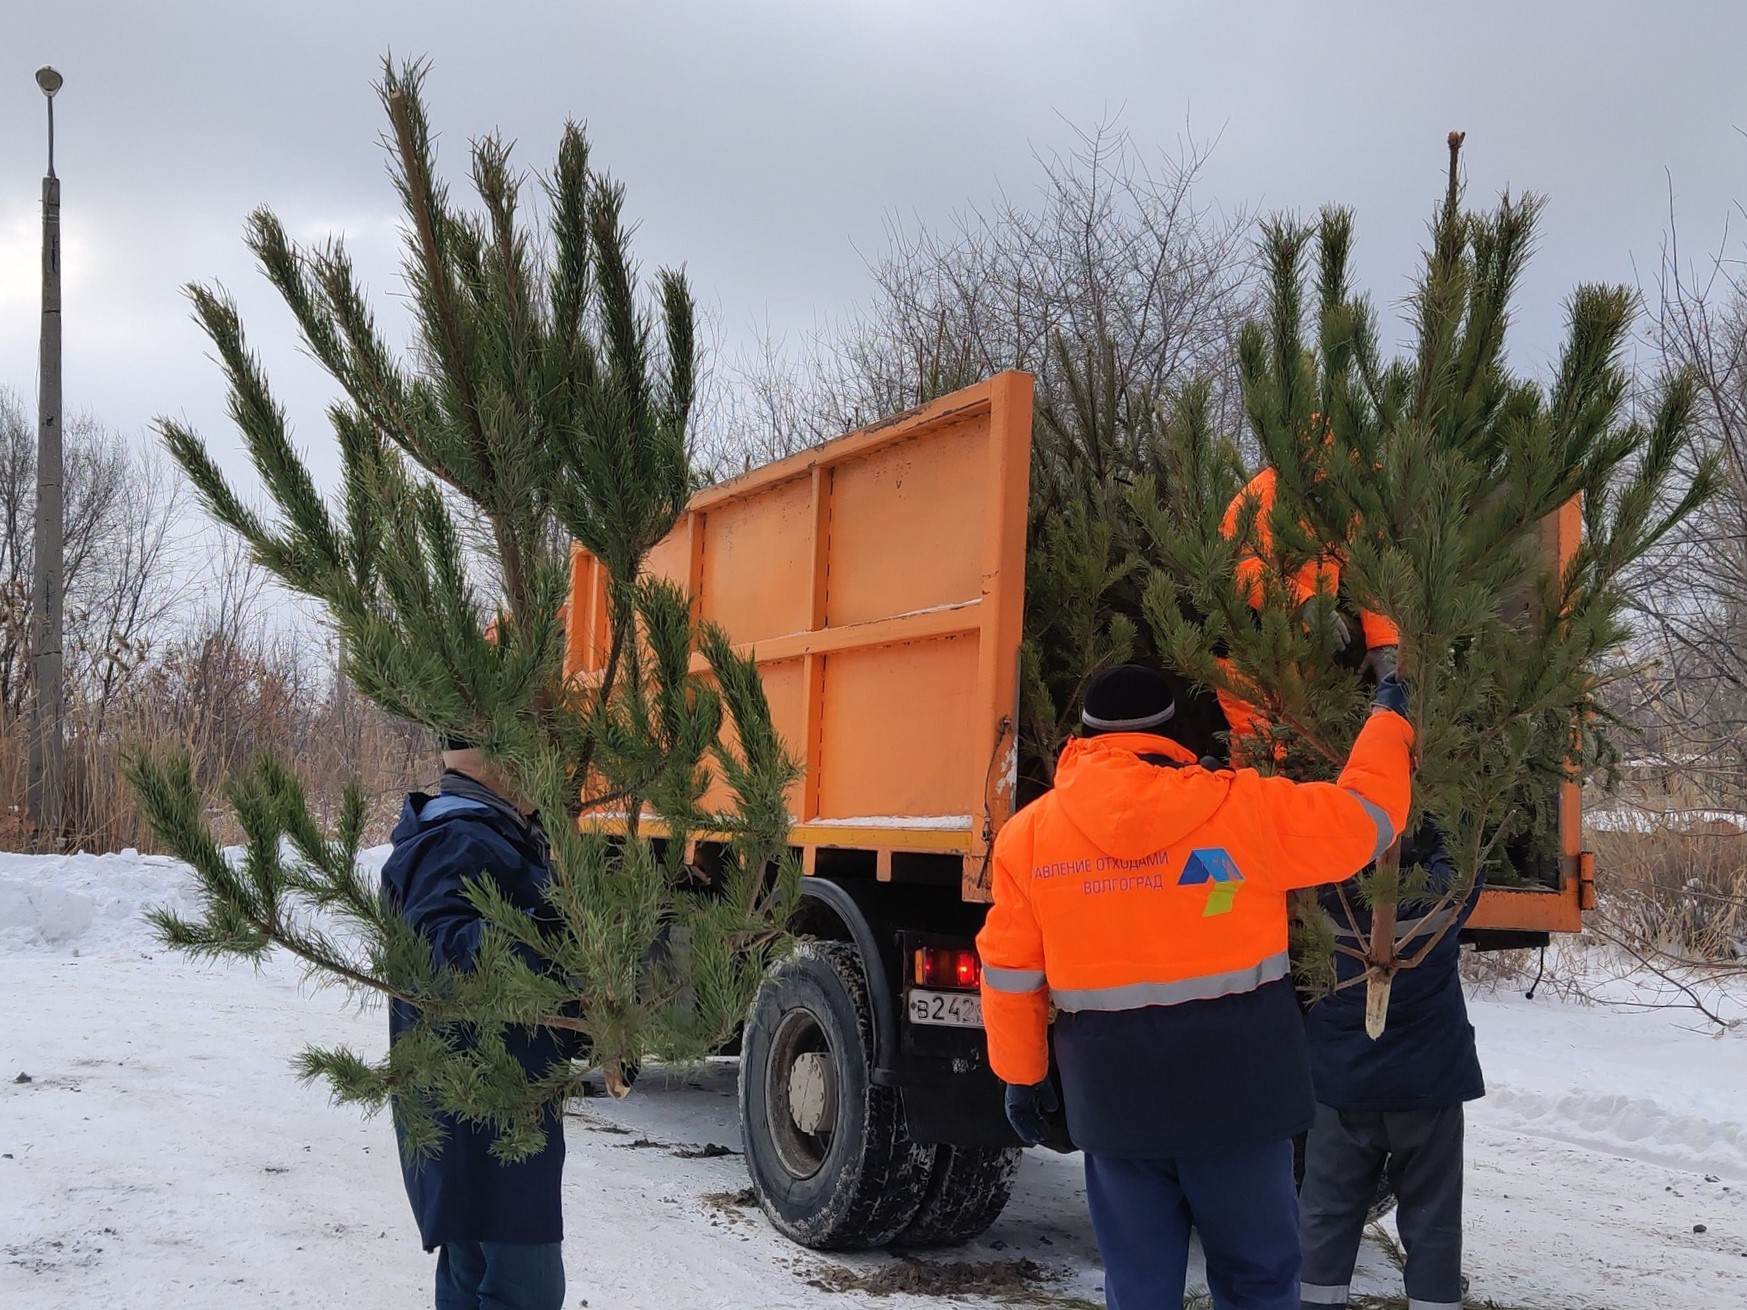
765, 142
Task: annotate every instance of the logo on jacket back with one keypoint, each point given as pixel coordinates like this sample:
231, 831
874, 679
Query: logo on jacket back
1215, 867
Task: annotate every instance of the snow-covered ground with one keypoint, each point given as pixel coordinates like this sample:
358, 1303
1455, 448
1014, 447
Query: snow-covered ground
161, 1155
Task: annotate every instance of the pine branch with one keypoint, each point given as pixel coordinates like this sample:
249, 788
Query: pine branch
542, 396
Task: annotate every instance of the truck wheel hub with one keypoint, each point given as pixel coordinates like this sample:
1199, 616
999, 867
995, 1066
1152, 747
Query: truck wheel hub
813, 1093
800, 1083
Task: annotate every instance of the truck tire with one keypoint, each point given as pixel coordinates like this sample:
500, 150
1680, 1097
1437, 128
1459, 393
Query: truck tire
968, 1188
831, 1160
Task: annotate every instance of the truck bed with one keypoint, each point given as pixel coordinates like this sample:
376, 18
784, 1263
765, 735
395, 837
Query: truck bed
879, 580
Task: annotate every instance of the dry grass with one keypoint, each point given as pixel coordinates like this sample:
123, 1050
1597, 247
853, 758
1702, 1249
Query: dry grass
1669, 930
1558, 972
1679, 893
219, 702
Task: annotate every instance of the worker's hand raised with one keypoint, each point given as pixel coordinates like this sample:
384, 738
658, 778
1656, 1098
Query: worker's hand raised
1378, 663
1317, 612
1029, 1109
1391, 695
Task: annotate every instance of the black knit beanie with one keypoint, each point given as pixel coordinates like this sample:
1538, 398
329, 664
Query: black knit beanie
1127, 698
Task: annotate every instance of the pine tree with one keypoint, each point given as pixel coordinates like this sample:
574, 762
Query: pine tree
1088, 559
542, 401
1428, 476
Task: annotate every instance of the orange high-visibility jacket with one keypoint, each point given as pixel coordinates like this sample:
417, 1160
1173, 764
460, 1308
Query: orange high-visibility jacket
1318, 575
1136, 884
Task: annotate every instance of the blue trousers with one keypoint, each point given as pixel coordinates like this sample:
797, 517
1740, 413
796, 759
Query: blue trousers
500, 1276
1243, 1203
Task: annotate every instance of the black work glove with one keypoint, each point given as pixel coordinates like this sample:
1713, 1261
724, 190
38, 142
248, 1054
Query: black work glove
1391, 695
1029, 1109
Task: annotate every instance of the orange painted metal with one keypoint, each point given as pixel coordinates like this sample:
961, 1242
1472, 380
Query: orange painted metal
1586, 881
879, 581
1529, 909
1536, 909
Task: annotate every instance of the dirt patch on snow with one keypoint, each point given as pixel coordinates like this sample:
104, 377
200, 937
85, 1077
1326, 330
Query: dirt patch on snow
708, 1151
744, 1199
1000, 1280
595, 1125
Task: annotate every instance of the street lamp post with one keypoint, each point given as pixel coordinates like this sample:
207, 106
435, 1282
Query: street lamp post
47, 776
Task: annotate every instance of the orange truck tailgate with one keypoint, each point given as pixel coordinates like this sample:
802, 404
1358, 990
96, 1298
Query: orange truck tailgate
880, 580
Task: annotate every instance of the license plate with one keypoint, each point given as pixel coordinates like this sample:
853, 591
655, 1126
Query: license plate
947, 1009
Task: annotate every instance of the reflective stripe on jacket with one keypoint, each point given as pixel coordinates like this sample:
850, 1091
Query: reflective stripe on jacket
1138, 887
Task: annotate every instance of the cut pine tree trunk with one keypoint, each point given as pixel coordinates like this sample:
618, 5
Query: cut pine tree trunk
1384, 962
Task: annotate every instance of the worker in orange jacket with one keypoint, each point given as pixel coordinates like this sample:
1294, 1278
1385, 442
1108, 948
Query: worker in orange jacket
1317, 577
1144, 899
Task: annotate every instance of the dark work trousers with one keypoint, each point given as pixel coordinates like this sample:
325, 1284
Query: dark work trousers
1240, 1201
500, 1276
1348, 1150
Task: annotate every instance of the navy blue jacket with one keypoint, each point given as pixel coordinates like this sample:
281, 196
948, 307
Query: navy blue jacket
1181, 1080
463, 1194
1425, 1058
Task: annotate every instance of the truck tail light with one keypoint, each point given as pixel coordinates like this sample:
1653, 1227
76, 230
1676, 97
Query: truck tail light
948, 966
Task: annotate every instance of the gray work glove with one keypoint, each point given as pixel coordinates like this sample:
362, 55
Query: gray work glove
1378, 664
1334, 624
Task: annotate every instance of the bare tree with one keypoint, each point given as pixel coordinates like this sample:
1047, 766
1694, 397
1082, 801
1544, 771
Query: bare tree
1114, 276
17, 476
1674, 869
172, 640
122, 517
759, 406
136, 581
1691, 697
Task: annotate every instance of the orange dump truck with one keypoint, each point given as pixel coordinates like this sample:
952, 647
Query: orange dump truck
880, 579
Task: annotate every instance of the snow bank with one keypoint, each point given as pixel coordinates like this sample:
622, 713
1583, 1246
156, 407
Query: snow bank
1651, 1084
94, 904
86, 904
1632, 1127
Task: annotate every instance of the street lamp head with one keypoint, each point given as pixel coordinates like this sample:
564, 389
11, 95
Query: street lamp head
49, 80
